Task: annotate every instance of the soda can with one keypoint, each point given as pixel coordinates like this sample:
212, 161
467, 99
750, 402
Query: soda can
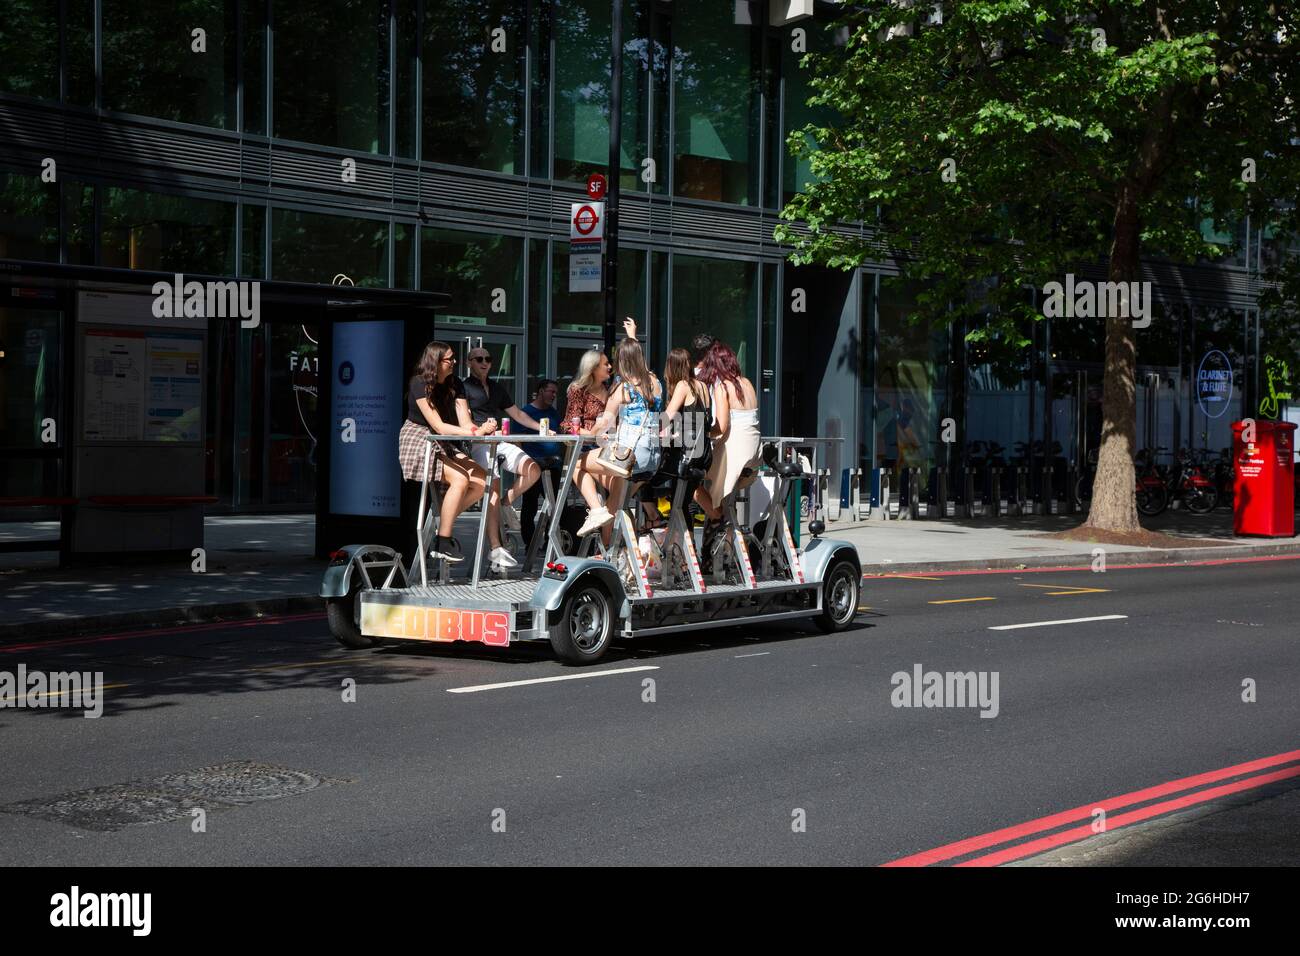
505, 425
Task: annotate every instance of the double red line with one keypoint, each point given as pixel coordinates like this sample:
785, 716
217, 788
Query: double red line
1020, 850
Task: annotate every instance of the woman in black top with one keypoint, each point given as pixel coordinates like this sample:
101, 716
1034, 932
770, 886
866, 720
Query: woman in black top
436, 402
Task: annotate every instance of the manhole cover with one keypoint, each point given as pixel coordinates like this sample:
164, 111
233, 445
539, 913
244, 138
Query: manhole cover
241, 782
172, 796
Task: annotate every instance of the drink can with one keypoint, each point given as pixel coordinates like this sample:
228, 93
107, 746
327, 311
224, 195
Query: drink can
505, 426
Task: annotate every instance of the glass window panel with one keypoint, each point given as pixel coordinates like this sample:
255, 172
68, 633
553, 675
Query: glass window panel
716, 101
911, 380
403, 256
293, 366
717, 296
482, 273
330, 69
311, 247
80, 51
254, 41
582, 34
142, 230
29, 48
79, 223
29, 218
797, 173
474, 83
154, 65
29, 383
406, 14
253, 250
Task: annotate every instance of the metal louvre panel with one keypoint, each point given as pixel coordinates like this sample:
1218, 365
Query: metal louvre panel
131, 144
25, 127
299, 169
443, 190
717, 224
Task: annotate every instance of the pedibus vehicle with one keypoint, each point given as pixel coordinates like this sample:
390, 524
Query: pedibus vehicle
581, 602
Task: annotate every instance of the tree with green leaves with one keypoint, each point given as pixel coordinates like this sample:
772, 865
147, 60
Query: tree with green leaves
1001, 144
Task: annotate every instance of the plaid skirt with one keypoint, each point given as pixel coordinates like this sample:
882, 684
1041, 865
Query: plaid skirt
410, 452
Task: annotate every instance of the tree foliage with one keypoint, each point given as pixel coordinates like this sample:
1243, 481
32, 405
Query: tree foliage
999, 144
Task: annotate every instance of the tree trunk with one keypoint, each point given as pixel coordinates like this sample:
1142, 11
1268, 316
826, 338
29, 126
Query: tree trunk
1114, 503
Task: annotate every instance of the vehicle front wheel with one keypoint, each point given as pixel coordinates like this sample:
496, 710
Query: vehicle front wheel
840, 591
344, 616
582, 630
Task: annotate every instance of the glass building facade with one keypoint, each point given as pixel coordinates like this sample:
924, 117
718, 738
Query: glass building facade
413, 144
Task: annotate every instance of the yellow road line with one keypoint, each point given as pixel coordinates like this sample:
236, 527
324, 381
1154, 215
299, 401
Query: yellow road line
1074, 589
961, 600
912, 577
60, 693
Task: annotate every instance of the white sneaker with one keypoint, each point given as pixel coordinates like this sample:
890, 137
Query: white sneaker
501, 558
511, 516
597, 518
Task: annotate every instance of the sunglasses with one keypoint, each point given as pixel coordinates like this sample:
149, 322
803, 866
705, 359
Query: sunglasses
481, 358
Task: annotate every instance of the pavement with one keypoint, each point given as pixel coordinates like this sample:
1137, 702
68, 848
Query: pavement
757, 744
263, 564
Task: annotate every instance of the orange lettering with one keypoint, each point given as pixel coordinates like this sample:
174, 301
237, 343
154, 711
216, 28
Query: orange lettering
447, 629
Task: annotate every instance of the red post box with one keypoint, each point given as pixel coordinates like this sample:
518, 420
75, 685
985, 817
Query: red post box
1264, 485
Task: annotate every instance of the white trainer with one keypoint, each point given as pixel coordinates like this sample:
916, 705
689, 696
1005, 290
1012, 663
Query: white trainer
597, 518
501, 558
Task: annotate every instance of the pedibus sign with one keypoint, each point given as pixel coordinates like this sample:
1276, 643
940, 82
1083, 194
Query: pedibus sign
1214, 384
442, 624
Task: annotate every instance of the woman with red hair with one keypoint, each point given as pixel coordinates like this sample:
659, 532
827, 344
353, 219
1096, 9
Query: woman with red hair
735, 431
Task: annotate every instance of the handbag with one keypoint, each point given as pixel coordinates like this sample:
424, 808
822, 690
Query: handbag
618, 457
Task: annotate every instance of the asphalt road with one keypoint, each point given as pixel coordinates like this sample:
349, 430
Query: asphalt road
770, 744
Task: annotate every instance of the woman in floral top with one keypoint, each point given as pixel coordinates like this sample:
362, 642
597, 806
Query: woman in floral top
584, 403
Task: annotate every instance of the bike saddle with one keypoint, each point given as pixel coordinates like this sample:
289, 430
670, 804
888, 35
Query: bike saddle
789, 469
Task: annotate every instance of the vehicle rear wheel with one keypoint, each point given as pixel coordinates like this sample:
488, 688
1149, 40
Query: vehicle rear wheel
582, 630
344, 616
840, 595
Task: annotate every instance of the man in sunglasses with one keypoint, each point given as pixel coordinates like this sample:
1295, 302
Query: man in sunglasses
490, 401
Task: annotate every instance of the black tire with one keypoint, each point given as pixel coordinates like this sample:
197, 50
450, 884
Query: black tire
343, 614
583, 629
1201, 501
1153, 500
1083, 489
841, 590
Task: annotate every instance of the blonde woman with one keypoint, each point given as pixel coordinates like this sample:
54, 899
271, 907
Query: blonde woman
634, 403
585, 402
